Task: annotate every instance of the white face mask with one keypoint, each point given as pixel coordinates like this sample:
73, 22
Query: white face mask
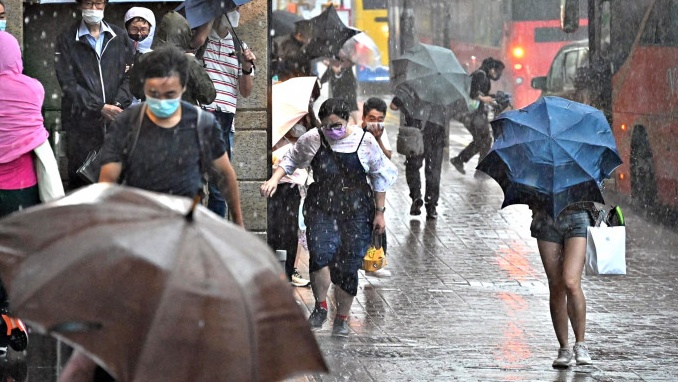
3, 25
233, 18
92, 16
377, 125
297, 131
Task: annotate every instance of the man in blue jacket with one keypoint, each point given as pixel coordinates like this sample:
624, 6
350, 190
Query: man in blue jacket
91, 61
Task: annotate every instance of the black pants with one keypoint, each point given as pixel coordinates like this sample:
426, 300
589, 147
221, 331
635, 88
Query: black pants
482, 139
283, 222
11, 201
434, 143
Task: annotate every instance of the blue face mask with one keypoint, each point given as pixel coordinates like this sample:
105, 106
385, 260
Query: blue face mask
163, 108
3, 25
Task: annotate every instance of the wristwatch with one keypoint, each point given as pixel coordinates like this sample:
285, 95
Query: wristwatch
246, 72
382, 209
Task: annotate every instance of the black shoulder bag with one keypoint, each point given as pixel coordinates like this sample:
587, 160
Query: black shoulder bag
91, 168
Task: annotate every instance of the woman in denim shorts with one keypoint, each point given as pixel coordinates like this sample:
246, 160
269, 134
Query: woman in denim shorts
562, 247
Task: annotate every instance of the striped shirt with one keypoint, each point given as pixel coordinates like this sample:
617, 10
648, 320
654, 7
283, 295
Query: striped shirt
221, 63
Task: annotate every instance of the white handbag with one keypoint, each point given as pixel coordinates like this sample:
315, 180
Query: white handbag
606, 250
47, 170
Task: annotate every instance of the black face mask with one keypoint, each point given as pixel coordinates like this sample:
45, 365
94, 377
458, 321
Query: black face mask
137, 37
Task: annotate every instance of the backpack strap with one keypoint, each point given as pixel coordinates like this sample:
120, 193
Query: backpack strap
132, 139
201, 128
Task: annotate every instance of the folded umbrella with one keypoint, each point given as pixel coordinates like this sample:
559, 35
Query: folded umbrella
290, 101
327, 34
153, 293
551, 154
433, 73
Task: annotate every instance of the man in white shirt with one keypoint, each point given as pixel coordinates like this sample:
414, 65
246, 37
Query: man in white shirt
374, 114
230, 76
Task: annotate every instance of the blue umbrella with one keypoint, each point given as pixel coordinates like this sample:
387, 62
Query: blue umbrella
551, 154
199, 12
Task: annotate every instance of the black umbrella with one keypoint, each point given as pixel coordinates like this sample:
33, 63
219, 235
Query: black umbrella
327, 34
282, 22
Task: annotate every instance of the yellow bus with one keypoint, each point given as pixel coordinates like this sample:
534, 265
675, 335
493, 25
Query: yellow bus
371, 17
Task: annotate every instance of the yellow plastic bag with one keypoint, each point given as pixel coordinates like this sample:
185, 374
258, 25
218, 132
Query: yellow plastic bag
375, 258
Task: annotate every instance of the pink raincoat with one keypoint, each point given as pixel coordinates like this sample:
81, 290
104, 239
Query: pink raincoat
21, 123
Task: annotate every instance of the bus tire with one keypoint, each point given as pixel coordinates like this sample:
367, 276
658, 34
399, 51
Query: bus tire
643, 182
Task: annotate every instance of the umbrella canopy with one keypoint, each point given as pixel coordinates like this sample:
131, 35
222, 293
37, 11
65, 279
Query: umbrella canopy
361, 50
434, 73
290, 102
152, 295
327, 34
282, 22
551, 154
199, 12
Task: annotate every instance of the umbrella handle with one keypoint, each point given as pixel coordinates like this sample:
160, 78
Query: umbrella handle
196, 199
243, 46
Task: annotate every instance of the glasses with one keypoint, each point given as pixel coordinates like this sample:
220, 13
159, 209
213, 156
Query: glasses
334, 126
134, 30
90, 4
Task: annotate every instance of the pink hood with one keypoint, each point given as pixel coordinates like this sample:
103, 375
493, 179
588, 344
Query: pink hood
21, 123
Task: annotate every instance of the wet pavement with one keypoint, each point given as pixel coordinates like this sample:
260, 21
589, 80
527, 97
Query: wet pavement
468, 301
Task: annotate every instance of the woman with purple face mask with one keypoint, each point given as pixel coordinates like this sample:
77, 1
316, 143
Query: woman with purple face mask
342, 209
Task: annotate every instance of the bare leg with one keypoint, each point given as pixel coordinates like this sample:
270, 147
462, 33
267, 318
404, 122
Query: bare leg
320, 283
552, 258
344, 301
79, 368
573, 264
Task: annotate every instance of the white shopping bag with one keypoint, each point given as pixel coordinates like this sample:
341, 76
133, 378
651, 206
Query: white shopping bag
606, 250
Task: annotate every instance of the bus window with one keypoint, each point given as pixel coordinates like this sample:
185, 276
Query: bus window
555, 34
375, 4
662, 26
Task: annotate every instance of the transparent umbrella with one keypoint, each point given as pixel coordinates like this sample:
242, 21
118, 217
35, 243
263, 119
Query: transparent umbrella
361, 50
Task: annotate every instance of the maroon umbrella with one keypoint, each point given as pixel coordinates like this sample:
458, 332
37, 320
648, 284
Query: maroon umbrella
153, 293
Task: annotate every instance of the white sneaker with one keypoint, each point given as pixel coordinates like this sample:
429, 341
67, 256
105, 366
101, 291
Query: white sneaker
581, 354
379, 273
564, 358
3, 351
299, 281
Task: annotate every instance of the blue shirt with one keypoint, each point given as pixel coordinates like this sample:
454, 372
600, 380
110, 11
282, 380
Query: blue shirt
97, 44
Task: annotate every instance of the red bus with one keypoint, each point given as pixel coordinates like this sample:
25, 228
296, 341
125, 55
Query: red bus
525, 34
532, 37
633, 53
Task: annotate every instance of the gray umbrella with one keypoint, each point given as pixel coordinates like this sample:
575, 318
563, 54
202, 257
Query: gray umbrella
433, 73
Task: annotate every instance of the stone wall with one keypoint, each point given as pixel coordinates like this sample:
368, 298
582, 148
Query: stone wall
14, 14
